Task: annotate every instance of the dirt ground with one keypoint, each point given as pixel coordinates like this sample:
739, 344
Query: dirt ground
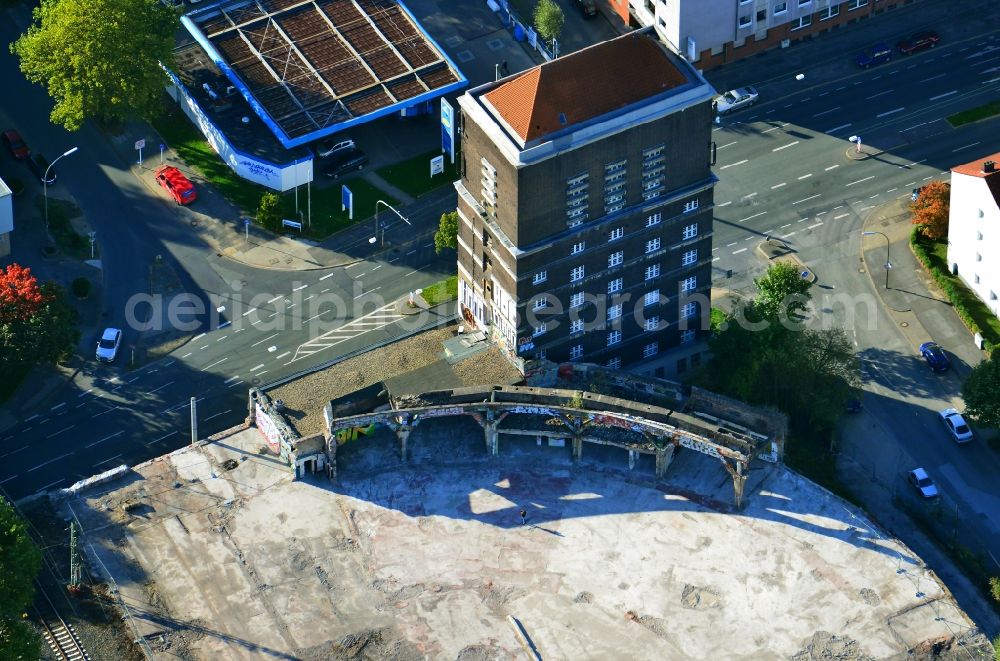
430, 559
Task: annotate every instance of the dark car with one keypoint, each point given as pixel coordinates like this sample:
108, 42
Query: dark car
918, 42
877, 54
343, 161
587, 7
39, 166
15, 144
935, 356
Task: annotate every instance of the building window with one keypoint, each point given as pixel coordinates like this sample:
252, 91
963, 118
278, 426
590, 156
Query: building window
652, 297
576, 300
542, 354
653, 154
614, 337
614, 285
803, 22
616, 234
541, 302
979, 236
976, 278
979, 257
761, 14
489, 183
616, 258
578, 247
651, 350
577, 201
688, 284
538, 330
682, 365
614, 312
540, 277
615, 363
744, 21
689, 258
804, 2
652, 271
576, 326
687, 337
690, 231
780, 8
690, 206
993, 296
652, 245
654, 219
617, 166
689, 310
576, 274
652, 324
829, 12
856, 4
575, 351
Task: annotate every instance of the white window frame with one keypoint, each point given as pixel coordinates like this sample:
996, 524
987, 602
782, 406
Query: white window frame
576, 326
576, 352
576, 300
615, 285
802, 22
615, 312
578, 247
614, 337
614, 363
652, 245
651, 298
616, 258
578, 273
540, 277
780, 8
689, 257
652, 324
689, 231
691, 205
687, 336
616, 234
541, 302
689, 284
830, 12
538, 330
654, 219
652, 271
744, 21
689, 310
650, 350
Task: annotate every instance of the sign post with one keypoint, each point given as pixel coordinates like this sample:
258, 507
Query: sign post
448, 129
139, 144
347, 201
437, 165
162, 147
246, 230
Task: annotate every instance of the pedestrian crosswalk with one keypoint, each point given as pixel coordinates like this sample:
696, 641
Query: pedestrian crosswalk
374, 320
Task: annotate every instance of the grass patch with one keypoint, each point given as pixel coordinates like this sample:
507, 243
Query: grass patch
69, 241
439, 292
973, 312
975, 114
12, 378
413, 176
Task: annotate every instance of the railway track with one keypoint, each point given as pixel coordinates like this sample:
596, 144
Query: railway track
62, 639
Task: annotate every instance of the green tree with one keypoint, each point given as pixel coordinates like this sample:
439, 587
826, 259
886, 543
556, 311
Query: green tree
781, 291
20, 561
269, 212
549, 19
99, 58
981, 392
446, 235
39, 332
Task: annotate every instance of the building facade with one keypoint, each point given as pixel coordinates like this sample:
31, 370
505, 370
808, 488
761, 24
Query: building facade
974, 227
585, 205
710, 33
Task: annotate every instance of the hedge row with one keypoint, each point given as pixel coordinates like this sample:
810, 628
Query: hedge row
948, 283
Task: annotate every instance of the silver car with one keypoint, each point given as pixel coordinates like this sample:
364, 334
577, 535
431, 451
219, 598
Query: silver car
737, 99
107, 348
923, 483
956, 425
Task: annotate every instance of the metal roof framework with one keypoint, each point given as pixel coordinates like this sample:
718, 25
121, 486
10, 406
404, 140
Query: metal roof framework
314, 66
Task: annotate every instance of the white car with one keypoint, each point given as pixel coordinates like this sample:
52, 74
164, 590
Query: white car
107, 348
741, 97
333, 145
923, 483
956, 425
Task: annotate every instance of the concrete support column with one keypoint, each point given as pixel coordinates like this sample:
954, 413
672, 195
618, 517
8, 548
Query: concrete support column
331, 458
492, 438
739, 482
664, 457
403, 434
577, 448
632, 456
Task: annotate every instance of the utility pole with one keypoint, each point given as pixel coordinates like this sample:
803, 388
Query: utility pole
194, 421
74, 558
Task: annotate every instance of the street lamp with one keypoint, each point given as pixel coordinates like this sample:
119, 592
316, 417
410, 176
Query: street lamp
888, 262
45, 183
377, 226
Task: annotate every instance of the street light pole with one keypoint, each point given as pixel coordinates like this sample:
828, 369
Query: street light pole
45, 184
393, 209
888, 262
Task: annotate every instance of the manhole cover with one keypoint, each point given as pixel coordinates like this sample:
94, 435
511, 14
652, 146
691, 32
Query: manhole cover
904, 324
861, 270
194, 223
255, 381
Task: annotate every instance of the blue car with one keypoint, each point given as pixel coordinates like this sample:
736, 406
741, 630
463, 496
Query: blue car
877, 54
935, 356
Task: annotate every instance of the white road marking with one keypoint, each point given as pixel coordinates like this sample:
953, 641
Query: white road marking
732, 165
726, 145
832, 167
58, 406
164, 437
736, 252
772, 129
206, 367
812, 227
264, 340
785, 225
325, 290
217, 415
249, 312
791, 234
328, 275
415, 271
750, 238
724, 204
412, 252
836, 128
859, 181
108, 460
890, 112
60, 431
866, 208
753, 216
254, 369
107, 438
282, 355
790, 144
875, 96
842, 87
961, 148
198, 337
843, 215
202, 347
806, 199
354, 264
294, 289
37, 415
235, 384
380, 266
777, 185
84, 394
892, 190
827, 112
230, 379
941, 96
62, 456
805, 176
371, 290
276, 298
115, 408
222, 338
732, 244
223, 325
187, 354
381, 317
160, 388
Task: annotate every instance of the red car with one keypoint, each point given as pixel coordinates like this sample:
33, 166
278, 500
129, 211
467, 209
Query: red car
175, 183
918, 42
14, 143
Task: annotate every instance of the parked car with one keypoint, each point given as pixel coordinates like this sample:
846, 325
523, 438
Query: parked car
331, 146
344, 161
587, 7
15, 144
935, 356
956, 425
918, 42
737, 99
40, 167
175, 183
915, 194
923, 483
877, 54
107, 348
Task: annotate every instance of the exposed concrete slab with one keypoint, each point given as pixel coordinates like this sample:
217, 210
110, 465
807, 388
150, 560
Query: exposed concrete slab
428, 560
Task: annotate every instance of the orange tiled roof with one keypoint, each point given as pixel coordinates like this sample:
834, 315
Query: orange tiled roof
975, 168
584, 85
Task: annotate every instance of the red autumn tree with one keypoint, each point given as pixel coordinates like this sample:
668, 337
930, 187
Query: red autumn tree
931, 209
20, 294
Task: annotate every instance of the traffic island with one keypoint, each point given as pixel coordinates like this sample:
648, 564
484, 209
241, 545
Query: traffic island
778, 251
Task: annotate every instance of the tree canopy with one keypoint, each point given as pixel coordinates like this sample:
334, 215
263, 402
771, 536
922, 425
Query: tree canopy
549, 19
98, 58
20, 561
931, 209
981, 392
37, 325
782, 292
446, 235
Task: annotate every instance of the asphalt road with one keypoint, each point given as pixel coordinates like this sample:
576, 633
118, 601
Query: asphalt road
784, 172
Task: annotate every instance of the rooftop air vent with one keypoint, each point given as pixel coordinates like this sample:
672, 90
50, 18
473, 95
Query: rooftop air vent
989, 166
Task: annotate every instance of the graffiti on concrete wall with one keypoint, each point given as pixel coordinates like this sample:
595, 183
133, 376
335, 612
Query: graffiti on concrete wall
267, 428
353, 433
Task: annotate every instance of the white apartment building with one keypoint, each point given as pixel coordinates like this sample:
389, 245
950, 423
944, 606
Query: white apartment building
974, 227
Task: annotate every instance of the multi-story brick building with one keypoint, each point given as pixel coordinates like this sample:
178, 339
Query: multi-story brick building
585, 204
